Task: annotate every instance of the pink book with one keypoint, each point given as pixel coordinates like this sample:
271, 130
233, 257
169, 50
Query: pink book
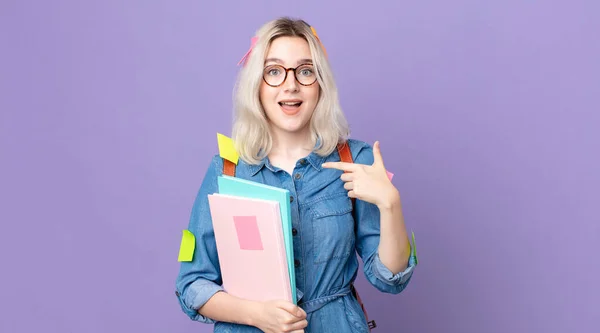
251, 248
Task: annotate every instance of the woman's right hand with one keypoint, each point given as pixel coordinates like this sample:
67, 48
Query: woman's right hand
280, 316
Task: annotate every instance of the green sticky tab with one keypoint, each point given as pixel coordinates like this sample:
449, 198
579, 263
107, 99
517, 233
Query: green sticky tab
186, 249
414, 248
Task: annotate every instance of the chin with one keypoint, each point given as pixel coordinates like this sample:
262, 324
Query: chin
289, 123
295, 126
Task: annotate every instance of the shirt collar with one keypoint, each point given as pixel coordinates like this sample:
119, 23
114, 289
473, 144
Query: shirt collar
313, 159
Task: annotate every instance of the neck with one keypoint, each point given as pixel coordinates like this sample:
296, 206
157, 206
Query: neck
291, 145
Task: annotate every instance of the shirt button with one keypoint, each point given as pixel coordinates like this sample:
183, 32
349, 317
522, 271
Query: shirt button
291, 198
303, 161
296, 262
297, 176
294, 231
177, 294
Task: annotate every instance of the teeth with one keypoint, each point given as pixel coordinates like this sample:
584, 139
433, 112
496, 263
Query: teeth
290, 103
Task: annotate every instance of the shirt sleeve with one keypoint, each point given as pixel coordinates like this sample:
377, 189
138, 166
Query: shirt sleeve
367, 241
199, 279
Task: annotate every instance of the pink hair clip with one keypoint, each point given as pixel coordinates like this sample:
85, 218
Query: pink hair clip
314, 31
245, 57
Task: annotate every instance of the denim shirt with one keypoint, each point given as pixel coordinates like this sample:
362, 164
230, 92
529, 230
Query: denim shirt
326, 243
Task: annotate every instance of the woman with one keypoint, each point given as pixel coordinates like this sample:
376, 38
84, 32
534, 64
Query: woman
288, 125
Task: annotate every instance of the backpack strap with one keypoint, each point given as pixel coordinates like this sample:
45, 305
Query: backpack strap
344, 151
228, 168
346, 156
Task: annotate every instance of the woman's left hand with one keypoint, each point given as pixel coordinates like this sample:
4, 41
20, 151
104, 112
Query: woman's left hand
369, 183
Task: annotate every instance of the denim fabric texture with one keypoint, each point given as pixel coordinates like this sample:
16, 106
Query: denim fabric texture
326, 245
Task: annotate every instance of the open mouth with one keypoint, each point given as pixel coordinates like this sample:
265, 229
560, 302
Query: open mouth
291, 106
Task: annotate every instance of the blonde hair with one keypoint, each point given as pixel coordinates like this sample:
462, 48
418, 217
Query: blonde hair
250, 132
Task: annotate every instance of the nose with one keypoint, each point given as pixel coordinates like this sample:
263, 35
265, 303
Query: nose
290, 83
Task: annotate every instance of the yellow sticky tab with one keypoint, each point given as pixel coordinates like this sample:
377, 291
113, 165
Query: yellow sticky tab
414, 248
314, 31
227, 149
186, 249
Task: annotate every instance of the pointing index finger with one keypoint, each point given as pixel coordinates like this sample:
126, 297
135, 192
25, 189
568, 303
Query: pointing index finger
339, 165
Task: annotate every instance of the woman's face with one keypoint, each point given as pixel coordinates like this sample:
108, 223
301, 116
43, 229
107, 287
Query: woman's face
289, 104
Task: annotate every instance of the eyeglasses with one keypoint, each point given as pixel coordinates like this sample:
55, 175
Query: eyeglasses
275, 75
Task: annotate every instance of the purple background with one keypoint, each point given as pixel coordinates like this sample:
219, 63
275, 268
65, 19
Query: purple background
488, 114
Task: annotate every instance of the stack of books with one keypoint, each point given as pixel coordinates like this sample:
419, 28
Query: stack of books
252, 225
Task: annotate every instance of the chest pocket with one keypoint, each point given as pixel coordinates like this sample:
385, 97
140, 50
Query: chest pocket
333, 228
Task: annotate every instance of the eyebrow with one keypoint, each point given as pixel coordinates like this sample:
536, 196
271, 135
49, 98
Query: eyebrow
279, 61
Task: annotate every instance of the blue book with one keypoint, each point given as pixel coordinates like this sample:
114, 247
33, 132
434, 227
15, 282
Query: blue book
250, 189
